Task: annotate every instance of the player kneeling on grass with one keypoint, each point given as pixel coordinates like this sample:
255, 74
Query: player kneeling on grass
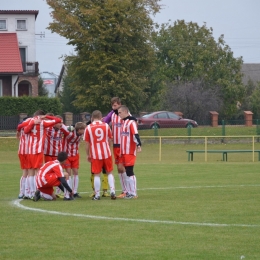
51, 175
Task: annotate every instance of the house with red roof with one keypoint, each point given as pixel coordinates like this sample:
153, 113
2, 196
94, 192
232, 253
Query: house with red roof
19, 69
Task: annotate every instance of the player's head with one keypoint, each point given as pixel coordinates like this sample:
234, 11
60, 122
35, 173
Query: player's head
115, 103
123, 111
62, 157
39, 113
58, 125
96, 115
80, 128
49, 114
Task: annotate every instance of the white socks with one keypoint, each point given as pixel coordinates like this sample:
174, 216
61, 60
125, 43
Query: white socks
97, 185
123, 181
132, 185
75, 183
111, 182
22, 186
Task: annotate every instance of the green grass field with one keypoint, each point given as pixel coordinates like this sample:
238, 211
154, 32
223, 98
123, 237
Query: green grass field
185, 210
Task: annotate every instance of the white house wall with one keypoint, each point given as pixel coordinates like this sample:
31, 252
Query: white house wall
26, 38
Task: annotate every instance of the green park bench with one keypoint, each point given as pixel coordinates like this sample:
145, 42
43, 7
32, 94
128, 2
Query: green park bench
224, 153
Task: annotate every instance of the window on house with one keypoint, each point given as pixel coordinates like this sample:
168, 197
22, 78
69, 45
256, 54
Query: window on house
3, 24
1, 88
21, 24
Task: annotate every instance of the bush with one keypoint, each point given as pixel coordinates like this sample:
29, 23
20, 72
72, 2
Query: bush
10, 106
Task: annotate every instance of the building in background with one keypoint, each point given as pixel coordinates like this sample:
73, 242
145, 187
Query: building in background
19, 69
50, 80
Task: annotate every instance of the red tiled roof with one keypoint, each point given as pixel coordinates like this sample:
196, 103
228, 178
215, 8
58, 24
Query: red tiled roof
35, 12
10, 60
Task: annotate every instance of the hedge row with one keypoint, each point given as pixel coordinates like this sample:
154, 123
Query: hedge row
10, 106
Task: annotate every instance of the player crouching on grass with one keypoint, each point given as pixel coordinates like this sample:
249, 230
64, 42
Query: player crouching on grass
51, 175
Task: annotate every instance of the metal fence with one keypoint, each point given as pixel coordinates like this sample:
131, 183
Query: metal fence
9, 122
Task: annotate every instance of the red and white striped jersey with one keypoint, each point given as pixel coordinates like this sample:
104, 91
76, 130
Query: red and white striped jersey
98, 135
53, 141
23, 143
70, 142
49, 171
128, 140
116, 122
37, 134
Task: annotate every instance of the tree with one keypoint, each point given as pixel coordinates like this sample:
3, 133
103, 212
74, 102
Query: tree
114, 56
42, 90
192, 99
67, 97
188, 52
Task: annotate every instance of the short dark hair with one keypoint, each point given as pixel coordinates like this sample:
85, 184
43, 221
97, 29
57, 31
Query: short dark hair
116, 100
62, 156
39, 113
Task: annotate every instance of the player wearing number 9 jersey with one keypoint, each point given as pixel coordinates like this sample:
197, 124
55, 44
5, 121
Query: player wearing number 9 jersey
98, 137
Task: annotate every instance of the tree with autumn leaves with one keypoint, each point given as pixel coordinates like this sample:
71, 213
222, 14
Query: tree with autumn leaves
114, 54
120, 52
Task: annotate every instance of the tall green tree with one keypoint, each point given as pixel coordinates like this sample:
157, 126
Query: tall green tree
42, 90
188, 52
114, 54
67, 97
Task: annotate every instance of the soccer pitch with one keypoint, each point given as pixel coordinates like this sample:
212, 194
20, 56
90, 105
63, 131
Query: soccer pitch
185, 210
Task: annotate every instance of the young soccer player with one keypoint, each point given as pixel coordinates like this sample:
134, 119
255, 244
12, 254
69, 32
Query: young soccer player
51, 175
130, 143
116, 123
98, 137
71, 147
22, 154
35, 129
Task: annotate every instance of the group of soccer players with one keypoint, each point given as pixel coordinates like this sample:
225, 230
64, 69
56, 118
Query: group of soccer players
46, 136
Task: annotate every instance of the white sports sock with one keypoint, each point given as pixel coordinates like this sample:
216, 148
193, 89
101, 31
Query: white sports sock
27, 187
46, 196
132, 185
22, 186
66, 192
75, 183
111, 182
97, 185
31, 185
123, 181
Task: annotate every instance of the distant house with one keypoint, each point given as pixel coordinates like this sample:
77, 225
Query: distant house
251, 72
19, 69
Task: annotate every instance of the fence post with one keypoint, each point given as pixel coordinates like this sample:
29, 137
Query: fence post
68, 118
155, 129
189, 126
223, 131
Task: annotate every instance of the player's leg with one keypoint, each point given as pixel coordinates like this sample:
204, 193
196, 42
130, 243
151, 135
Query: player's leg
104, 183
108, 165
121, 171
75, 171
96, 168
131, 179
92, 185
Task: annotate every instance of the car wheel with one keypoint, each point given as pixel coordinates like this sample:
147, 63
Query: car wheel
153, 126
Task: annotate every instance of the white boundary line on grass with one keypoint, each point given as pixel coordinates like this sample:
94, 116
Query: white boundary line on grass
195, 187
17, 203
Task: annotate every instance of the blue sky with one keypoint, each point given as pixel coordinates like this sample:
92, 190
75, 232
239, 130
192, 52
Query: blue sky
238, 20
